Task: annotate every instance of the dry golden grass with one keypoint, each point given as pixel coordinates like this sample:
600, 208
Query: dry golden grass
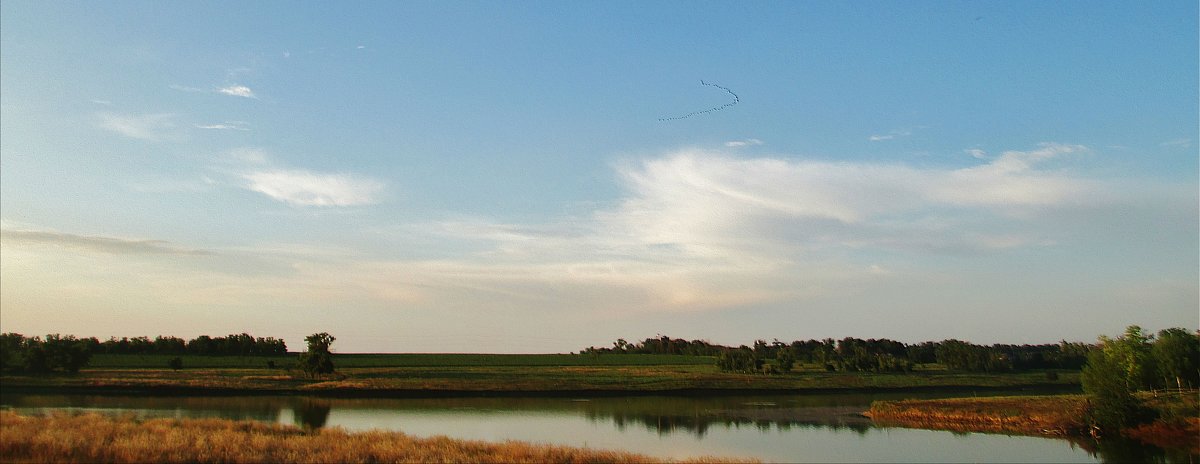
1038, 415
98, 438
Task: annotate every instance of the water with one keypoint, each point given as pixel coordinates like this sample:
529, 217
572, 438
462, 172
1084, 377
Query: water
779, 428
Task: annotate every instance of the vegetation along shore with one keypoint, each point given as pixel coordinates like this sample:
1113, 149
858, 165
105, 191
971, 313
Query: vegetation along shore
1175, 422
99, 438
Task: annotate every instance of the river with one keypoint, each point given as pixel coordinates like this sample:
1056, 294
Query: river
773, 428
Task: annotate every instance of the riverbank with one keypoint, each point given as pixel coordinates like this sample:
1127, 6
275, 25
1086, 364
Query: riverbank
98, 438
517, 380
1177, 425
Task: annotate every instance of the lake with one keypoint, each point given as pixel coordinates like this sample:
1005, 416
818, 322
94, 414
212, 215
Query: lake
778, 428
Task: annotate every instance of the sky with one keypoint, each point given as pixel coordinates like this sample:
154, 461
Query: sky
549, 176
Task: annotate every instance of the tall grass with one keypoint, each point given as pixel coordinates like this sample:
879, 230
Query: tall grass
98, 438
1050, 415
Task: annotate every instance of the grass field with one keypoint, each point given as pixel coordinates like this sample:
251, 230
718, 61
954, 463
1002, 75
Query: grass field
402, 360
485, 374
97, 438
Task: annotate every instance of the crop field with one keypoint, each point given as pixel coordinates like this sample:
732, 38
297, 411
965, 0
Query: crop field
355, 360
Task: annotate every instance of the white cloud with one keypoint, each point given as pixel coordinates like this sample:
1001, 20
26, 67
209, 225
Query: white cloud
700, 230
1177, 143
153, 127
306, 188
237, 91
227, 125
743, 143
892, 135
976, 153
108, 245
102, 102
184, 88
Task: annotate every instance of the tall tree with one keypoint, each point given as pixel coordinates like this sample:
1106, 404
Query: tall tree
1131, 353
1177, 354
317, 360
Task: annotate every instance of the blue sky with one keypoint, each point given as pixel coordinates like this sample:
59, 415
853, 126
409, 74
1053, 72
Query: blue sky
544, 176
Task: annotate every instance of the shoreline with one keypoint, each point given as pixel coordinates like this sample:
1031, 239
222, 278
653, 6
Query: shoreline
1043, 416
353, 392
98, 438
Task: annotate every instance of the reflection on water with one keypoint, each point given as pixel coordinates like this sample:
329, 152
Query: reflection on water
788, 428
312, 413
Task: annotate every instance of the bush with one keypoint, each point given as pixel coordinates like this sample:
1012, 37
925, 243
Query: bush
1112, 405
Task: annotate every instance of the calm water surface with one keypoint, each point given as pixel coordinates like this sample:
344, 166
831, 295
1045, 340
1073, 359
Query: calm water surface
780, 428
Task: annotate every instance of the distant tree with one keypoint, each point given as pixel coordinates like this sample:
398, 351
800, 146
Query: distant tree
175, 363
1177, 355
12, 351
785, 359
317, 360
739, 360
65, 352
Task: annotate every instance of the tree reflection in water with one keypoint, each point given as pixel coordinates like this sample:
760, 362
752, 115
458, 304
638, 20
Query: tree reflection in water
698, 425
312, 413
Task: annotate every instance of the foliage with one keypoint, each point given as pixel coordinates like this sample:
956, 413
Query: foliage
1104, 379
739, 360
1177, 355
35, 355
175, 363
960, 355
317, 360
1131, 355
876, 355
97, 438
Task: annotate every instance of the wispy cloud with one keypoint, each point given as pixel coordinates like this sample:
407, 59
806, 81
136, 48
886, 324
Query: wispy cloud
102, 102
237, 91
109, 245
153, 127
184, 88
976, 153
890, 135
743, 143
700, 230
306, 188
1177, 143
227, 125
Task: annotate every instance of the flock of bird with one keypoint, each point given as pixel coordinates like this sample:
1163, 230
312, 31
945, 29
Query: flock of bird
735, 101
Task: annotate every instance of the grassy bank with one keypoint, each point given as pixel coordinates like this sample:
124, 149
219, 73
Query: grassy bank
97, 438
534, 379
1177, 424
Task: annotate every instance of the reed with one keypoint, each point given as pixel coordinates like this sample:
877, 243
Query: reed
1037, 415
99, 438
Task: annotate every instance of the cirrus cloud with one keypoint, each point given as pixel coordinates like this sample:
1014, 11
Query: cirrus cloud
306, 188
237, 91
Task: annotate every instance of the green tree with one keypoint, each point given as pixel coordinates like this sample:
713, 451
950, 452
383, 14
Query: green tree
1131, 353
12, 351
175, 363
317, 360
1113, 405
785, 359
65, 352
1177, 355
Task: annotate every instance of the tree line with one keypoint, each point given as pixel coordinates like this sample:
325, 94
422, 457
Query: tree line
852, 354
1138, 361
67, 353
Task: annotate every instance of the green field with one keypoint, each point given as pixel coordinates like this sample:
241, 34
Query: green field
344, 361
531, 373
